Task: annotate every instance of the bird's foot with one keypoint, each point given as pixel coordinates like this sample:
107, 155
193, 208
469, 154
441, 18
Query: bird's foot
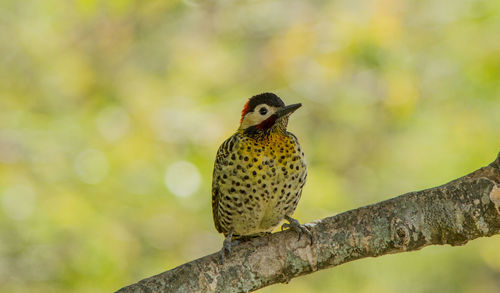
297, 227
226, 246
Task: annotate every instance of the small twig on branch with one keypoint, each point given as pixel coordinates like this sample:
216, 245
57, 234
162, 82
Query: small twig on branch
454, 213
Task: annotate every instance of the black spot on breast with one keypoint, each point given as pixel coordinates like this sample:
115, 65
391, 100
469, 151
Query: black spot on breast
242, 191
232, 190
246, 158
245, 177
254, 173
291, 166
224, 176
233, 157
248, 185
237, 184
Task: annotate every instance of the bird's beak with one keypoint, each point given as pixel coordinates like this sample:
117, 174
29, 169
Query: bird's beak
287, 110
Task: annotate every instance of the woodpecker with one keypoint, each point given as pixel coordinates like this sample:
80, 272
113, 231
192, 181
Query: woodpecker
259, 174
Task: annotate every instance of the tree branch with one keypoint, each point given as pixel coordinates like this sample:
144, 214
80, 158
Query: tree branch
454, 213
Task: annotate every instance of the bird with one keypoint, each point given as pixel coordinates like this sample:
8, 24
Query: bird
258, 175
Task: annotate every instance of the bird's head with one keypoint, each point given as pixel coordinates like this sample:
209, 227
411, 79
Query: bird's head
265, 113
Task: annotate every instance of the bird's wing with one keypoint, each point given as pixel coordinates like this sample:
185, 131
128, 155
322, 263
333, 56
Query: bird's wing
221, 160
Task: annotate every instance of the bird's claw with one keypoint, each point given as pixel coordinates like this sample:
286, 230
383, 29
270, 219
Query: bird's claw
294, 225
226, 249
226, 246
284, 226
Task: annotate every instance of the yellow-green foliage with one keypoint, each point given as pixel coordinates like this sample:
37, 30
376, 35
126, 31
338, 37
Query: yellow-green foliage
111, 113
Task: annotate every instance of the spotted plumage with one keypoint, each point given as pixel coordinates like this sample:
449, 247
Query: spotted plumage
259, 171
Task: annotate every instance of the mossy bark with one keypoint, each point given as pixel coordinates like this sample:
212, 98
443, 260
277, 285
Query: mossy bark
454, 213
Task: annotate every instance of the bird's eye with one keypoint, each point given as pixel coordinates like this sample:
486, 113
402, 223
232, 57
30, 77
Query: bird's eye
263, 111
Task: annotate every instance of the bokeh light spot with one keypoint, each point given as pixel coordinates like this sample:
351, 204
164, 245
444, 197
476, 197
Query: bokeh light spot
182, 178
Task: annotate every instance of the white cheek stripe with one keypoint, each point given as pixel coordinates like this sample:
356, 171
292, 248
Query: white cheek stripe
254, 118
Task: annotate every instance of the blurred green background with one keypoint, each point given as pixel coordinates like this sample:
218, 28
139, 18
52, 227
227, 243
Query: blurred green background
111, 113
